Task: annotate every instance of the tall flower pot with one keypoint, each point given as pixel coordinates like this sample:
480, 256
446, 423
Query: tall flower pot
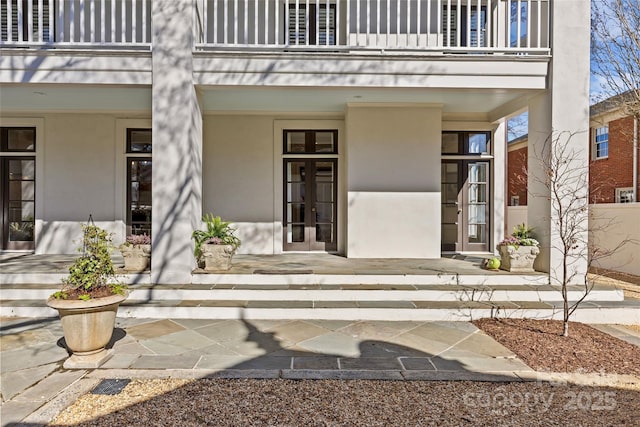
217, 257
518, 259
136, 257
87, 327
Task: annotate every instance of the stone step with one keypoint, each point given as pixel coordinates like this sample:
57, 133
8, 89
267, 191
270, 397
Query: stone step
327, 293
389, 277
620, 312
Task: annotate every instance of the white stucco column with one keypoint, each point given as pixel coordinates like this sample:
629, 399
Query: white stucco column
393, 180
559, 118
177, 143
499, 183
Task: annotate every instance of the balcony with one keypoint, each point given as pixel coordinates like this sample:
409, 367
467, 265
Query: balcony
410, 26
76, 24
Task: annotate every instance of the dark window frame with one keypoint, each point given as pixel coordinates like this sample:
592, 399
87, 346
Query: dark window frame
4, 139
129, 132
310, 141
463, 143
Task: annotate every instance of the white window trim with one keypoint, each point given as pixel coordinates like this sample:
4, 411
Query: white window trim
595, 144
624, 191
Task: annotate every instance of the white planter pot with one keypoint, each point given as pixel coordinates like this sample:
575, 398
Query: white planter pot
217, 257
518, 259
87, 327
136, 257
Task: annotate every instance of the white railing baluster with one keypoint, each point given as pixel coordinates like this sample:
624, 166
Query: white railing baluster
518, 25
538, 45
428, 23
388, 23
277, 20
29, 20
82, 21
235, 21
144, 22
338, 24
92, 21
327, 23
418, 8
368, 18
358, 22
103, 21
307, 24
378, 23
40, 21
246, 22
348, 19
317, 28
489, 33
9, 21
215, 21
113, 22
135, 25
397, 23
508, 16
528, 23
266, 22
408, 13
123, 23
225, 21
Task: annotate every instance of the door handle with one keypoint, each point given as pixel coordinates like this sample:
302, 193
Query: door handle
459, 211
313, 209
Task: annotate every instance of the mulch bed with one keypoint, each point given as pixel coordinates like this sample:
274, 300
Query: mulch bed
540, 344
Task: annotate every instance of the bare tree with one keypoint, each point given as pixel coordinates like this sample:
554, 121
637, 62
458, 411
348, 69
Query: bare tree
615, 50
566, 181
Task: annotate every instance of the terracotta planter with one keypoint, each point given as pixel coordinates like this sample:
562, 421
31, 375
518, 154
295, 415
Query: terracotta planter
518, 259
87, 327
217, 257
136, 257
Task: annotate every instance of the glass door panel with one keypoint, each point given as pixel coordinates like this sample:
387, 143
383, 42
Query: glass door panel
310, 190
18, 201
477, 207
139, 196
465, 205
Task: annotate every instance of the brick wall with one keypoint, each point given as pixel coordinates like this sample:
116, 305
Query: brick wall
616, 170
516, 175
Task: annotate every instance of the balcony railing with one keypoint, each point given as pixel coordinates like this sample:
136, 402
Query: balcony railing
463, 26
75, 23
470, 26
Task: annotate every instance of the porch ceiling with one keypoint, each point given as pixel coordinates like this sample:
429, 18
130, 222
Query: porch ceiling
334, 100
76, 98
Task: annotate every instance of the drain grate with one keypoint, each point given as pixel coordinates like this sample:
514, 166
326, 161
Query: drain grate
110, 386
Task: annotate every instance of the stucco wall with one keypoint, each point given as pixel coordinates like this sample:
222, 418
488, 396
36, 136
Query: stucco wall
610, 224
393, 157
238, 173
77, 164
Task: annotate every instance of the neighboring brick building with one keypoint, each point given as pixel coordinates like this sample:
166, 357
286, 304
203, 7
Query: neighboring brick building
517, 172
611, 169
612, 175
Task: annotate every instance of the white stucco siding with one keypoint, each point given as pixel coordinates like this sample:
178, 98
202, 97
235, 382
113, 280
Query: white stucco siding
76, 176
393, 156
79, 167
238, 173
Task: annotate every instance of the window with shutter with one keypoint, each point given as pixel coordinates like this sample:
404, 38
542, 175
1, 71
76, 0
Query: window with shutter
318, 27
14, 21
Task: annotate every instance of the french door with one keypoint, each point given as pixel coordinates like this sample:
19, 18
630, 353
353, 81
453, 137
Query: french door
465, 205
310, 204
18, 202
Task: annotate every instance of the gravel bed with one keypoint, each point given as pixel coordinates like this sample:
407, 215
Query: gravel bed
219, 402
540, 344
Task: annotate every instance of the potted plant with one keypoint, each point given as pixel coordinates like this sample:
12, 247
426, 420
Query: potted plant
89, 300
136, 251
519, 251
215, 246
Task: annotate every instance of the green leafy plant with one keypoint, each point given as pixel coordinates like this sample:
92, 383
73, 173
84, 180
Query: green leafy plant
521, 236
217, 232
92, 274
